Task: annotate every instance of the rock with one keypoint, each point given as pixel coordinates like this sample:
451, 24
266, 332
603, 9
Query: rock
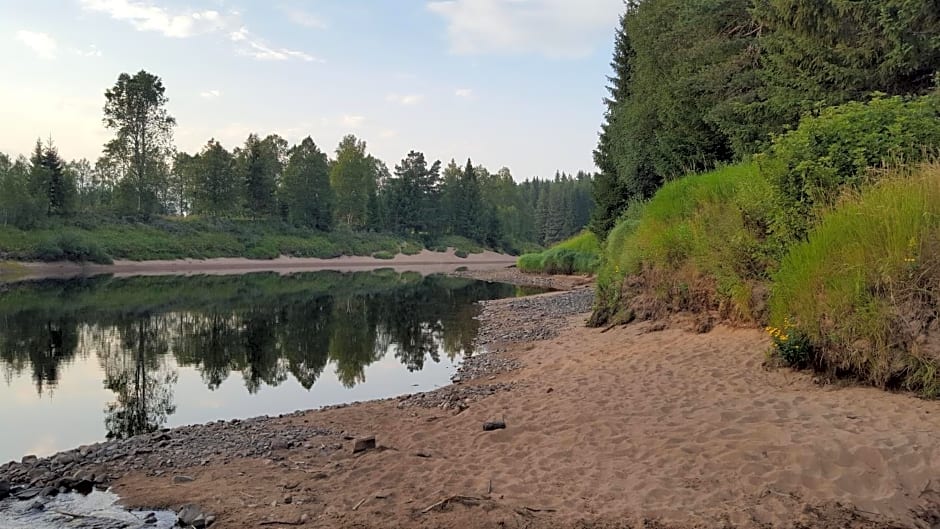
4, 490
288, 500
381, 495
28, 494
151, 518
183, 479
84, 486
489, 426
37, 505
49, 491
363, 444
191, 515
423, 454
29, 460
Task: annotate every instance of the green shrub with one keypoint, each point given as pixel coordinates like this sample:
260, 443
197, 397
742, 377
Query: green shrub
266, 250
865, 287
70, 246
383, 255
461, 254
530, 262
578, 255
846, 145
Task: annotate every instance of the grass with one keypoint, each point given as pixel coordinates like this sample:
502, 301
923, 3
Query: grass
700, 244
865, 287
578, 255
103, 239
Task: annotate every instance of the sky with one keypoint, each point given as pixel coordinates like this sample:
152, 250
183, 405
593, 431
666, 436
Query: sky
514, 83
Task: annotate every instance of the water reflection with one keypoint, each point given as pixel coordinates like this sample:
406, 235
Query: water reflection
265, 327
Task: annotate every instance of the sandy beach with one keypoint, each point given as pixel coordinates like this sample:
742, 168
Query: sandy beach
641, 426
426, 261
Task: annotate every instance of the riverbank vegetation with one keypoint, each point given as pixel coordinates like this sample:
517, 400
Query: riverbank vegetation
144, 199
577, 255
751, 189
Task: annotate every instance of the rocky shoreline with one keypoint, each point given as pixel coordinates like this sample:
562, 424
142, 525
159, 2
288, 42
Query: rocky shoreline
171, 454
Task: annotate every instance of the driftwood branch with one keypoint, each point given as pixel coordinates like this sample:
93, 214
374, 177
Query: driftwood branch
363, 500
279, 522
466, 500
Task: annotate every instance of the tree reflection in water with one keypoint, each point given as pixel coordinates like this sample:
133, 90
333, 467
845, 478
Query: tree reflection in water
266, 327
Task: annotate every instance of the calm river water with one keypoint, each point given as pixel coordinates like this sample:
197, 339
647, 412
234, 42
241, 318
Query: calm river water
83, 360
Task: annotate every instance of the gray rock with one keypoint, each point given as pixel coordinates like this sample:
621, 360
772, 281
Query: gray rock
189, 514
28, 494
29, 460
183, 479
4, 490
363, 444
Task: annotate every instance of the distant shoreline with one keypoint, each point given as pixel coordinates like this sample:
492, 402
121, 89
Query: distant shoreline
425, 261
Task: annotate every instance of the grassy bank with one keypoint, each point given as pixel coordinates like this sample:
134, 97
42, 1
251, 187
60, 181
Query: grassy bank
820, 238
578, 255
102, 239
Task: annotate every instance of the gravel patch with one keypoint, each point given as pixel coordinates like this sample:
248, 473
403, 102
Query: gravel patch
511, 321
160, 453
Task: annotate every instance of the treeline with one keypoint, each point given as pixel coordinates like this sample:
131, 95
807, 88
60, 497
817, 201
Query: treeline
697, 83
141, 175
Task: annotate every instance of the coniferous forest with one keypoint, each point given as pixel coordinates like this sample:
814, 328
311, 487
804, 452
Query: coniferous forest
145, 188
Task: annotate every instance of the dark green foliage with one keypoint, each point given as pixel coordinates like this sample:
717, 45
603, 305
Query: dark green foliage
699, 82
70, 246
48, 181
216, 187
412, 196
260, 165
306, 194
844, 146
135, 110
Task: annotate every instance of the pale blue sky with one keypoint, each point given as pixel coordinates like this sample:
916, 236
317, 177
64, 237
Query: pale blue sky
515, 83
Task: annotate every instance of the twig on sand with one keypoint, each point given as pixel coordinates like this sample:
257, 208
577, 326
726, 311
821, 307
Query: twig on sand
533, 509
466, 500
363, 500
72, 514
280, 522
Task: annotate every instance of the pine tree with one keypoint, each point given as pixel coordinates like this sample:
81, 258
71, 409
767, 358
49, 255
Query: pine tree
259, 164
216, 186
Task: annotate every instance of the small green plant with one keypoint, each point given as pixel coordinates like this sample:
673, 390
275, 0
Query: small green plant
383, 255
791, 344
461, 254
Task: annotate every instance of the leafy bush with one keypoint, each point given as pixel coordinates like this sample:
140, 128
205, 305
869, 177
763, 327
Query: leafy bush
846, 145
865, 287
461, 254
383, 255
70, 246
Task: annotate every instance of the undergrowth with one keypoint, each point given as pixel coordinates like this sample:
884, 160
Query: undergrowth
579, 254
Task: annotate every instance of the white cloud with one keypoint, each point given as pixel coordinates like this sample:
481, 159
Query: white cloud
305, 19
464, 92
251, 46
41, 43
147, 17
91, 51
210, 94
554, 28
406, 99
353, 121
144, 16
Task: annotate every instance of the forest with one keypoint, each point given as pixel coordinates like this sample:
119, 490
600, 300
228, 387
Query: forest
774, 164
265, 188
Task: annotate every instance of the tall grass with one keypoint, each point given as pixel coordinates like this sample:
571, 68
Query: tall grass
865, 286
579, 254
699, 244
